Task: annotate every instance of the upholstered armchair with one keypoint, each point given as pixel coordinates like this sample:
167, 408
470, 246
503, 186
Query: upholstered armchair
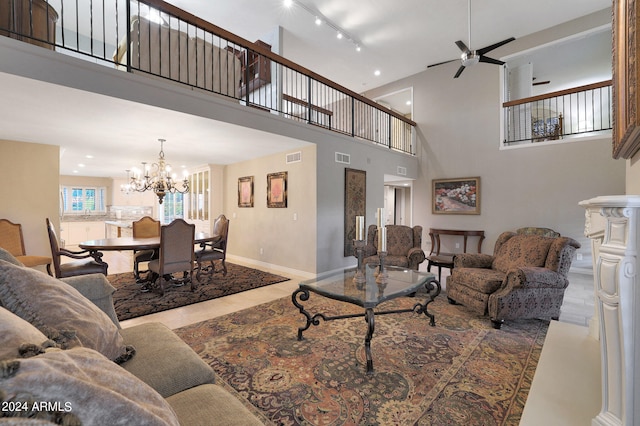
524, 278
404, 246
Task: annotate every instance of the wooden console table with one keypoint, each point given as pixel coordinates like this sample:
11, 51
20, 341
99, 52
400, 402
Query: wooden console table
445, 260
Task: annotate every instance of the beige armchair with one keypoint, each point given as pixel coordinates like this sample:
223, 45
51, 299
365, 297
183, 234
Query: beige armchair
524, 278
404, 246
11, 239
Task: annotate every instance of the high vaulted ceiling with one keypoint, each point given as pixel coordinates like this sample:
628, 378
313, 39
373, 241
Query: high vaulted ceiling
398, 37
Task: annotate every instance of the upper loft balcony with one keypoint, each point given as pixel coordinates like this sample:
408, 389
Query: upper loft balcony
156, 39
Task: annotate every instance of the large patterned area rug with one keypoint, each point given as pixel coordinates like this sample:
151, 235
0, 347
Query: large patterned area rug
131, 302
460, 372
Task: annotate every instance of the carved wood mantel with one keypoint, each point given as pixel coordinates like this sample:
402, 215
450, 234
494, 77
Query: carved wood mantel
618, 307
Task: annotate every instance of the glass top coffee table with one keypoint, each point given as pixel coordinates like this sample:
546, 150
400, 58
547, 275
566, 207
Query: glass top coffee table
369, 294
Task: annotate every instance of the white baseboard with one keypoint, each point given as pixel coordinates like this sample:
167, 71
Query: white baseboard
281, 269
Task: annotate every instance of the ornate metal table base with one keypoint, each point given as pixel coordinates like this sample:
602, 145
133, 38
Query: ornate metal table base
300, 295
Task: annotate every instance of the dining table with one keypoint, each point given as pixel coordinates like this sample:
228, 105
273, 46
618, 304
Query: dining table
95, 247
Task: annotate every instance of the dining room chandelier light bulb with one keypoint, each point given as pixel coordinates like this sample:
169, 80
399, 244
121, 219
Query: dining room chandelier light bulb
158, 178
127, 187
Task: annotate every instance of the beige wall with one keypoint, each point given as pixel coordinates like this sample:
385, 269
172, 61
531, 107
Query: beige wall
30, 190
633, 175
459, 136
287, 236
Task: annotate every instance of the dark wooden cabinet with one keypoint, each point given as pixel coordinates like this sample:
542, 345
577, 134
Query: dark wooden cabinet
33, 21
256, 69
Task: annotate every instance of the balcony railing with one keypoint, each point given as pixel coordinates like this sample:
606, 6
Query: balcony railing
161, 40
559, 115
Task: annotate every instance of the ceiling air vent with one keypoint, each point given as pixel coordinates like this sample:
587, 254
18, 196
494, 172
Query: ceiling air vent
402, 171
294, 157
343, 158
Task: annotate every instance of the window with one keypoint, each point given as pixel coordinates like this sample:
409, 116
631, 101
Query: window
83, 200
173, 207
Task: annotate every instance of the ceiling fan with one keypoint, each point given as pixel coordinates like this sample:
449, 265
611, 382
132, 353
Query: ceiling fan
471, 57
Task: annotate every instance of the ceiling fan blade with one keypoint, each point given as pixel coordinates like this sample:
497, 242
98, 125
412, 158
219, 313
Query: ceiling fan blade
442, 63
494, 46
489, 60
459, 71
463, 47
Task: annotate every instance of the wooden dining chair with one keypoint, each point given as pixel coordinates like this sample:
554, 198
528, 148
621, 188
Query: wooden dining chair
146, 227
85, 261
176, 255
214, 250
12, 240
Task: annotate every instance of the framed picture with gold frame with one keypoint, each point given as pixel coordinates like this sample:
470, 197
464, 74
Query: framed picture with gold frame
626, 97
245, 191
277, 190
456, 196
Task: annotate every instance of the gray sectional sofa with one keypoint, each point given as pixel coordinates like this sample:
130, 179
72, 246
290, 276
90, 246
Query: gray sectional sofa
65, 359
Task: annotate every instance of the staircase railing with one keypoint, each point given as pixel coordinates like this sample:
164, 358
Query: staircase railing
159, 39
559, 115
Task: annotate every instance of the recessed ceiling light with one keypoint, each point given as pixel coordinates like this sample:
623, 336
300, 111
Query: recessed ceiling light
408, 102
88, 156
288, 3
75, 171
80, 165
339, 35
318, 21
376, 73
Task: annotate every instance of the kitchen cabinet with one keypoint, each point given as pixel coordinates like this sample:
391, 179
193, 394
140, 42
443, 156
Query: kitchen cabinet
73, 233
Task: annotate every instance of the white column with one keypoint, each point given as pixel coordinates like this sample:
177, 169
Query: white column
618, 302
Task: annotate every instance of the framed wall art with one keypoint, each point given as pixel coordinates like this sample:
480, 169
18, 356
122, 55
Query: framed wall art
456, 196
355, 204
245, 191
626, 96
277, 190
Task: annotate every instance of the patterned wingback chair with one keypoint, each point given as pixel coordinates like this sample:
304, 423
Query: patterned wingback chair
525, 278
404, 246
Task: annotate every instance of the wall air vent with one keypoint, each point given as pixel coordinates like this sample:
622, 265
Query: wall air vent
294, 157
343, 158
402, 171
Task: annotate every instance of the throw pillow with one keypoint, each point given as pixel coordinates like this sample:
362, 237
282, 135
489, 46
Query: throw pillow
59, 311
15, 332
5, 255
82, 385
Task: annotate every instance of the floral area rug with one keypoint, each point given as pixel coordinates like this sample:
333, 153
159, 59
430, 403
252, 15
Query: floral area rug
130, 301
460, 372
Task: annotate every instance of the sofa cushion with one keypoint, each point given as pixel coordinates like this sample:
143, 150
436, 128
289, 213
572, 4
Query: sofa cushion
14, 332
86, 385
227, 410
56, 308
522, 251
163, 360
485, 281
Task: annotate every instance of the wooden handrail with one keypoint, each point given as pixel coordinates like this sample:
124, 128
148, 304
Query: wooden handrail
558, 93
207, 26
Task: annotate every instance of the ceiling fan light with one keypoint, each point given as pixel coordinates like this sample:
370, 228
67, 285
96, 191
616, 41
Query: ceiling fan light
469, 59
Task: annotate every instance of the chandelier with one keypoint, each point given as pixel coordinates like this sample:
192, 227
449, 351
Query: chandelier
158, 178
127, 188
